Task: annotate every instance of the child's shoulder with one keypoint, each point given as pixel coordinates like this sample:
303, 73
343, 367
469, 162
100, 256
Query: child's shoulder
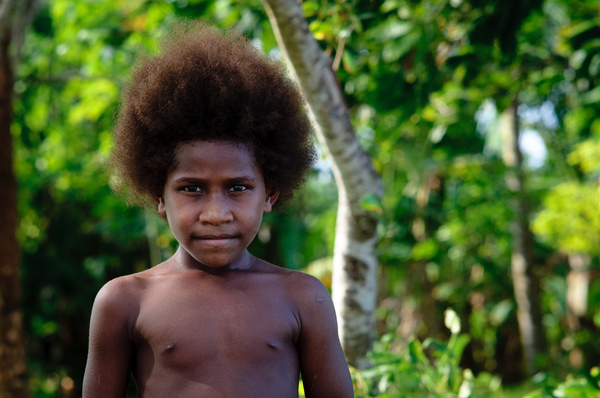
293, 276
125, 290
311, 304
299, 285
118, 291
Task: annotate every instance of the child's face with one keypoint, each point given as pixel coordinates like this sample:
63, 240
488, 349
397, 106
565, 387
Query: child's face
214, 200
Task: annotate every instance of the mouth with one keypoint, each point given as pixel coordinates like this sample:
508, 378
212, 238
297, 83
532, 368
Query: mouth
216, 240
216, 237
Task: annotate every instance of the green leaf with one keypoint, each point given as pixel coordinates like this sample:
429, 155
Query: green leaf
310, 8
425, 250
501, 311
349, 62
372, 203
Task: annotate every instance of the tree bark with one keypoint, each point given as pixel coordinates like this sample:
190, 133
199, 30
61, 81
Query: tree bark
13, 368
354, 285
525, 282
578, 281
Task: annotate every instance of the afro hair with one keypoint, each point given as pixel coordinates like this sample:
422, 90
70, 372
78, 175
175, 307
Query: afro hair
209, 85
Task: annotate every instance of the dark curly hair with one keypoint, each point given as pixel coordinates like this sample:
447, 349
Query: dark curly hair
206, 84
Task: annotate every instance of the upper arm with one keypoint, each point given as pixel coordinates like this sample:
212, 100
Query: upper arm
111, 342
323, 366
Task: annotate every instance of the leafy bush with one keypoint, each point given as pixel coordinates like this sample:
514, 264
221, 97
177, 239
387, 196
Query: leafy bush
428, 369
572, 387
410, 369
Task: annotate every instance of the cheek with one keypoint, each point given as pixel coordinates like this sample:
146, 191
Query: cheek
259, 217
178, 217
251, 216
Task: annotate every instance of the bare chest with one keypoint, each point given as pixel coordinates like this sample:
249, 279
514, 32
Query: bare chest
205, 331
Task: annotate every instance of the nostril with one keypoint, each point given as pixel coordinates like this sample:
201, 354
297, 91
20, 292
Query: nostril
216, 216
215, 210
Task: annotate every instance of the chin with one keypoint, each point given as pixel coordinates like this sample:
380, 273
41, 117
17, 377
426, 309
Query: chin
217, 264
214, 262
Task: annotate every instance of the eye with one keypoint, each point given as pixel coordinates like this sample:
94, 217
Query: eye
238, 188
191, 188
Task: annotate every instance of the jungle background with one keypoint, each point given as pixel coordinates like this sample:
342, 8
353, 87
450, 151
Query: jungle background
480, 117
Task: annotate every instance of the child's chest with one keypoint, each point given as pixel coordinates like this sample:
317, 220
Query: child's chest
194, 326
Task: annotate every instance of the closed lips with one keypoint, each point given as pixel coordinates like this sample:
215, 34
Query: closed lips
217, 237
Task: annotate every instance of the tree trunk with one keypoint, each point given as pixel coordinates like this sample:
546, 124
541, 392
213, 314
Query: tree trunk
13, 369
354, 285
578, 281
525, 282
13, 381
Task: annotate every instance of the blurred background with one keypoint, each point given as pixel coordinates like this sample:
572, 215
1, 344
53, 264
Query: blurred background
480, 115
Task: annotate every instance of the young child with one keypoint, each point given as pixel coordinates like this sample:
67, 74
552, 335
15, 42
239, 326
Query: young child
213, 135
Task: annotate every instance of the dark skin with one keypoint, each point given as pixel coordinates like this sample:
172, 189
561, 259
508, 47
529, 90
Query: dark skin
213, 320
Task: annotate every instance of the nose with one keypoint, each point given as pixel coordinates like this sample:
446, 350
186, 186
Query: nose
215, 211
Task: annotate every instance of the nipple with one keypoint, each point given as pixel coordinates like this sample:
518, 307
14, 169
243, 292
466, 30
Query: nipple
170, 348
272, 345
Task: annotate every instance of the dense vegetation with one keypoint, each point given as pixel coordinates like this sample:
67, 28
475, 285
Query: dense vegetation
429, 84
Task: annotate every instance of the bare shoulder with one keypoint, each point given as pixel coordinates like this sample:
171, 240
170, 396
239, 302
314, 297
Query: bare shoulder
122, 296
119, 299
126, 288
310, 299
297, 284
304, 287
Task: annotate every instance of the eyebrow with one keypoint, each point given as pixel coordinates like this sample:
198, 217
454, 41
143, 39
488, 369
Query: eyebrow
196, 180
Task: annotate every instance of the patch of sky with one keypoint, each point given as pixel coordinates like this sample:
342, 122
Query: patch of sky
256, 43
532, 119
534, 148
323, 165
543, 115
275, 54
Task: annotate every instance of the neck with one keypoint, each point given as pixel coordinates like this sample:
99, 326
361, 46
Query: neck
244, 262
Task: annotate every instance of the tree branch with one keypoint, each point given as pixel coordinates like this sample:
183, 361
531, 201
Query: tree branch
353, 167
354, 284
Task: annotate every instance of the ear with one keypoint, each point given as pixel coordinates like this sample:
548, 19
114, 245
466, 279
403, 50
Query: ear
272, 196
160, 205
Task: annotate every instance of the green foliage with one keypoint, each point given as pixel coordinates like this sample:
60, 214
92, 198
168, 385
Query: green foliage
585, 154
409, 368
573, 386
415, 369
570, 219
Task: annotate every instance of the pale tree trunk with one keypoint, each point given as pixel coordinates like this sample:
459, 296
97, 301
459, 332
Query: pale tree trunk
13, 369
525, 283
578, 281
354, 285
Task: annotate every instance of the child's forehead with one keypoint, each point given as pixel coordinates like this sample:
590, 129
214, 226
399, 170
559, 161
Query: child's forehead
200, 148
214, 155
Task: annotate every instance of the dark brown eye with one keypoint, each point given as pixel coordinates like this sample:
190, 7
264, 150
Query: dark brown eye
238, 188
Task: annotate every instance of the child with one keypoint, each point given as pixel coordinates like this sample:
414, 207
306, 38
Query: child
213, 135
